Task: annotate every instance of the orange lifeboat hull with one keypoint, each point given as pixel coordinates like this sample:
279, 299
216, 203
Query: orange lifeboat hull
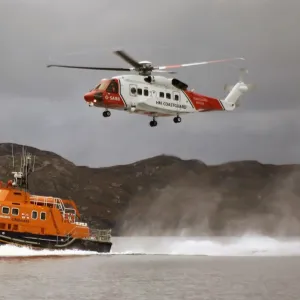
42, 222
38, 242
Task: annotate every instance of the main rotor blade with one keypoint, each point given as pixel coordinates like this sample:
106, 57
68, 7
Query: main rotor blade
197, 63
163, 71
91, 68
127, 58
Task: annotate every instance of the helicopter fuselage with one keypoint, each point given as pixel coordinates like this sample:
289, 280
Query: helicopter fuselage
150, 95
155, 96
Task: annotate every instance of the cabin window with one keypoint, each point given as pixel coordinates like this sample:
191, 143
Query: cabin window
43, 215
168, 95
161, 94
34, 214
132, 89
2, 225
146, 92
140, 91
15, 227
15, 211
5, 210
176, 96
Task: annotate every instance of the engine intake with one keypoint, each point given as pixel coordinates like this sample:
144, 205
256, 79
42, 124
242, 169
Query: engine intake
149, 79
179, 84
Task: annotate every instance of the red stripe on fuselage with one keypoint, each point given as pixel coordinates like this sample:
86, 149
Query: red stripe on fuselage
202, 102
112, 100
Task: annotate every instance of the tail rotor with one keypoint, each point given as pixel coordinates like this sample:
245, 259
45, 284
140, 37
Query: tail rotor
243, 71
232, 100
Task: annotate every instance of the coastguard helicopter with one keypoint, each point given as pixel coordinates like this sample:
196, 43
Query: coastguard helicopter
156, 96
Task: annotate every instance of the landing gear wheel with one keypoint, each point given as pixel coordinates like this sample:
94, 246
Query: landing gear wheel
153, 123
106, 113
177, 120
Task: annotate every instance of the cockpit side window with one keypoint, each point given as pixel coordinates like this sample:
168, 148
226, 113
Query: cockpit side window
113, 87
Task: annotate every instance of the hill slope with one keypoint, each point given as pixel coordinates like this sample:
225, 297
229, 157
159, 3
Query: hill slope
164, 194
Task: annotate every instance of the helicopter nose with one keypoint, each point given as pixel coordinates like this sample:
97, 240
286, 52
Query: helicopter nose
89, 97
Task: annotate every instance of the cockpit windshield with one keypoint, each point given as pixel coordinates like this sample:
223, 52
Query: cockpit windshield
102, 85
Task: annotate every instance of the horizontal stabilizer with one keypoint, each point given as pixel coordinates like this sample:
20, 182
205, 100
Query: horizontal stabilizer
229, 87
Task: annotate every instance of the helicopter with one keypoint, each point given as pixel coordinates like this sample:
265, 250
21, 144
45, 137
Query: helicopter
156, 95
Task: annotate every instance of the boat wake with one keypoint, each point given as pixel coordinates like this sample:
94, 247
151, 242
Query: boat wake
248, 245
10, 251
235, 246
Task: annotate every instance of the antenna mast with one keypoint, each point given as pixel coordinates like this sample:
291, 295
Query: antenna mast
12, 154
26, 168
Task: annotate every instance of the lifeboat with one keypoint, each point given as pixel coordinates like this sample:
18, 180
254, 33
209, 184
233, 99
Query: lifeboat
42, 222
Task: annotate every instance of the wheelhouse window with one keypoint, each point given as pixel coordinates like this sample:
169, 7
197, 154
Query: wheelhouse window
34, 215
113, 87
43, 215
5, 210
15, 211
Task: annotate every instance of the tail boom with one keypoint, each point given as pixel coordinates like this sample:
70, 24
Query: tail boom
231, 100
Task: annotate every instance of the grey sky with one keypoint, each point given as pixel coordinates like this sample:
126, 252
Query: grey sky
45, 107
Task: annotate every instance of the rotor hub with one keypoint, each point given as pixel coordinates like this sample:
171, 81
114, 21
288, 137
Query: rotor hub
145, 68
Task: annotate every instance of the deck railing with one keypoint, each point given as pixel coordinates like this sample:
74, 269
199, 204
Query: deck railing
103, 235
68, 214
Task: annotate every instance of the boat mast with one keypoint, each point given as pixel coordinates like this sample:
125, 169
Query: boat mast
26, 168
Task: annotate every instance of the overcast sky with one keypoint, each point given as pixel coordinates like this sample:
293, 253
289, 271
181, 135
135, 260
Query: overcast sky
45, 108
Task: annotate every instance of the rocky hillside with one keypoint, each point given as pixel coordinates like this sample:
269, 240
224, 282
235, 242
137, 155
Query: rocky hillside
167, 195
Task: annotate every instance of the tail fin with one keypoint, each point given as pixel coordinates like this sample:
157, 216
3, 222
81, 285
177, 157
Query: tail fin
231, 101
